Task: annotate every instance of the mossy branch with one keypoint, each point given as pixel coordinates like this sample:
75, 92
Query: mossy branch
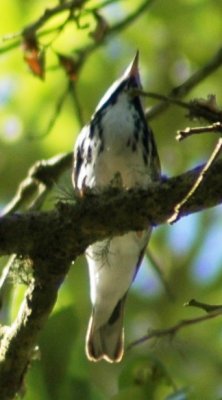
53, 239
70, 228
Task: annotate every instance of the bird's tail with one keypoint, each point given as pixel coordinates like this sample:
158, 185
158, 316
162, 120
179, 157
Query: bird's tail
106, 342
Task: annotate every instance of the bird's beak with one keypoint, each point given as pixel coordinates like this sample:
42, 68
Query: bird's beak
134, 66
132, 70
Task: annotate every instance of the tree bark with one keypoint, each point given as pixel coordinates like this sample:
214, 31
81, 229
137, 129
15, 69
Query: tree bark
51, 240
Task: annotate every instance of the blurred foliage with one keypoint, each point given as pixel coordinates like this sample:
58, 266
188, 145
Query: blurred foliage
175, 38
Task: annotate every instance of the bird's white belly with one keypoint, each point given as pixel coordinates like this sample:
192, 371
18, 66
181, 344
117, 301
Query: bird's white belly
112, 265
118, 156
126, 163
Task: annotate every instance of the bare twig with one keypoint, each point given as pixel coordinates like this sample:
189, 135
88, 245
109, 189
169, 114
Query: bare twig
113, 30
131, 17
32, 28
41, 176
158, 96
49, 13
183, 134
182, 90
56, 113
198, 108
178, 208
100, 6
77, 105
206, 307
160, 274
206, 109
32, 193
82, 53
172, 330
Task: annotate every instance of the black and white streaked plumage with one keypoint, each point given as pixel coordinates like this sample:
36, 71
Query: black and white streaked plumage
117, 142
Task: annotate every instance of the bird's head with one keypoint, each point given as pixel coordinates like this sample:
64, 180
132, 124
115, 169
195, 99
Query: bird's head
124, 85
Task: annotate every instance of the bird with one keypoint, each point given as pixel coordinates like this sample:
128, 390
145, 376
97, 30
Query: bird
116, 143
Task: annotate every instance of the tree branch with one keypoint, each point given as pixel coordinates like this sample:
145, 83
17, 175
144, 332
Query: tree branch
214, 128
209, 308
212, 159
51, 240
40, 178
69, 229
180, 91
172, 330
18, 340
212, 311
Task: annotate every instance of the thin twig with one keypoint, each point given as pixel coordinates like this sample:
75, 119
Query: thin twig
32, 192
76, 103
198, 108
11, 46
172, 330
100, 6
182, 90
41, 175
32, 28
113, 30
163, 97
183, 134
131, 17
58, 29
160, 274
207, 166
69, 90
49, 13
203, 306
56, 112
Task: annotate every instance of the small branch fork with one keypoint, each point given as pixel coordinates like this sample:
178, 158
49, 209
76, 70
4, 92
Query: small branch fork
214, 128
76, 8
160, 274
180, 91
40, 179
196, 108
71, 6
181, 135
179, 206
212, 312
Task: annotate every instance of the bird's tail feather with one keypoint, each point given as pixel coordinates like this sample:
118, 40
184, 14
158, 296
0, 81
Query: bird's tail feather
106, 342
